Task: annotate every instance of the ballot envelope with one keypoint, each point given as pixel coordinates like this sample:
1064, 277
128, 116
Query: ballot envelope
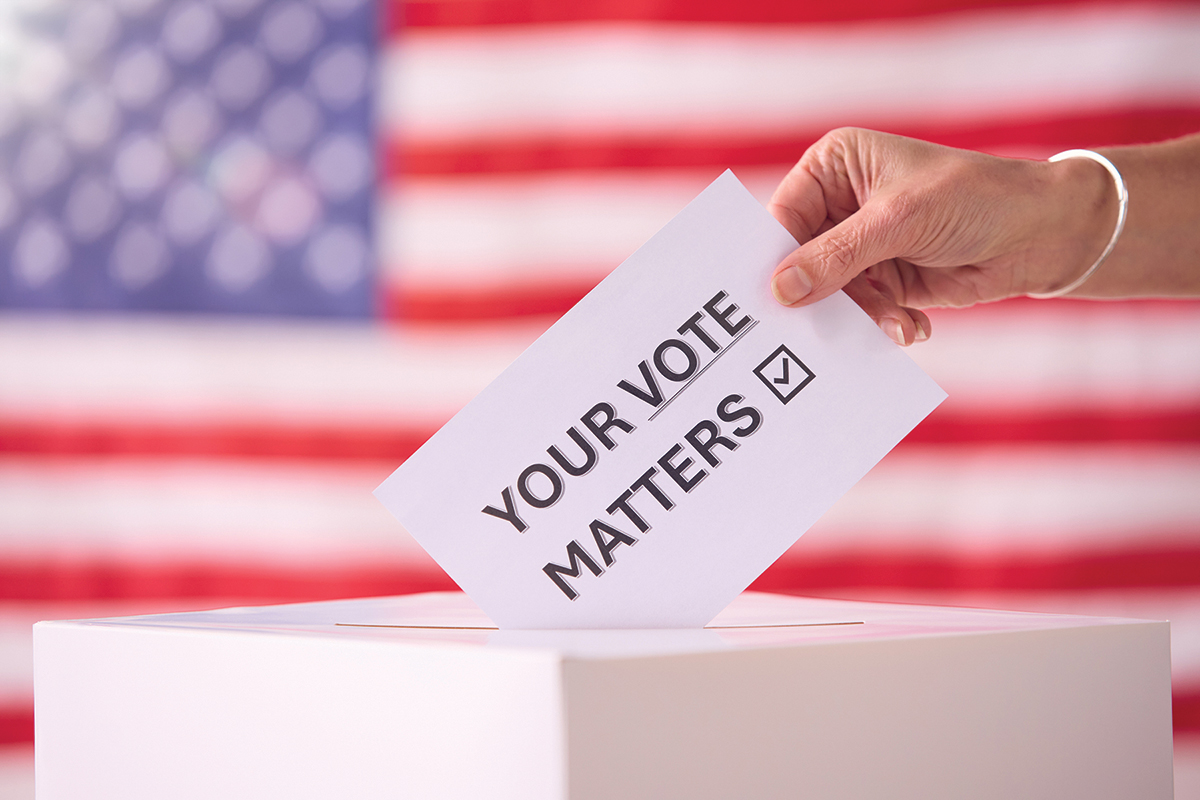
779, 697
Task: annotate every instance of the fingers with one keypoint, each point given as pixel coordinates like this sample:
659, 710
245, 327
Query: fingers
902, 325
921, 321
828, 262
799, 204
817, 190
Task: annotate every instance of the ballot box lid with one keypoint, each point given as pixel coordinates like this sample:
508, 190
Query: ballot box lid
754, 620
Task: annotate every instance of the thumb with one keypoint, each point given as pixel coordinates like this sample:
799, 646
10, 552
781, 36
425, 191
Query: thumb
828, 262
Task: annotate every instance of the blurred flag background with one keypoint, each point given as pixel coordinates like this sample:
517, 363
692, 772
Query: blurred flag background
253, 252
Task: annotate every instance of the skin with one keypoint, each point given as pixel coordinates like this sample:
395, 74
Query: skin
903, 225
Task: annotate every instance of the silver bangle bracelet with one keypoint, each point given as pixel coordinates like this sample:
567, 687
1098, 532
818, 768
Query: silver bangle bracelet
1122, 209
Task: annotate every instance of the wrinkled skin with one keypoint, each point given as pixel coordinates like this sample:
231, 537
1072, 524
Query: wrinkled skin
903, 225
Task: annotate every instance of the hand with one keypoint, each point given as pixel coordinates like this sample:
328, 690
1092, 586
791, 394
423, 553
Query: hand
902, 225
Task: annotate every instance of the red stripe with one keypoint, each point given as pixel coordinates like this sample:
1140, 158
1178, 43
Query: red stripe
1143, 567
16, 725
945, 427
1185, 711
948, 426
554, 297
46, 579
251, 439
492, 154
54, 579
469, 13
495, 301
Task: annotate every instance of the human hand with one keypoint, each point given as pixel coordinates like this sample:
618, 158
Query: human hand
902, 225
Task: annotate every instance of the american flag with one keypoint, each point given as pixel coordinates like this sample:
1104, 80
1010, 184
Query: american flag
253, 252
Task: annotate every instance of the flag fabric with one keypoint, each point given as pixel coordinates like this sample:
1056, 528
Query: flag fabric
254, 252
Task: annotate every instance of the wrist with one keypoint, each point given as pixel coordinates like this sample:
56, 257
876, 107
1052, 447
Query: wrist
1080, 214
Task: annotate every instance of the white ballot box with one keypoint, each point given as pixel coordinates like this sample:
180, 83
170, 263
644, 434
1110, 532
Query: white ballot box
780, 697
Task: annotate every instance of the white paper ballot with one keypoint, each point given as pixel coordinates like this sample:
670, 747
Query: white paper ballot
665, 441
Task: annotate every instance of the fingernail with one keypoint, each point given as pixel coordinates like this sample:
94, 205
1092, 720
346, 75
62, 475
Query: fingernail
894, 330
922, 334
791, 286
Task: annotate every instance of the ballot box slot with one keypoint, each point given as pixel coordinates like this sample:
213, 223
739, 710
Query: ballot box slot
493, 628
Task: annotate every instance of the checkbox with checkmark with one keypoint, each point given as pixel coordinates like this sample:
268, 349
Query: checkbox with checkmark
784, 374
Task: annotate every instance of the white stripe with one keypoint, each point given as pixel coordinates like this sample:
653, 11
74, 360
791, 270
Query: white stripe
441, 233
598, 79
225, 370
1028, 357
1187, 766
1017, 500
16, 660
1077, 354
16, 772
281, 513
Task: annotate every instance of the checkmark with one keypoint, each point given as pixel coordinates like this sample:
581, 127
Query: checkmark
777, 370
